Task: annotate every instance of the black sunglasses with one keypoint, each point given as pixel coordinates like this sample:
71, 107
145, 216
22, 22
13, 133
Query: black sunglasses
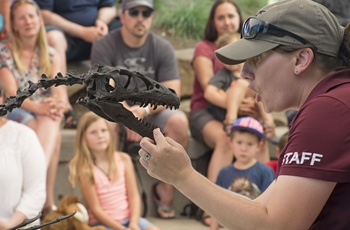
252, 26
145, 13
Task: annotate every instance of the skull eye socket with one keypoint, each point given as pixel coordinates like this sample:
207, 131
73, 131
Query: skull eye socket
110, 85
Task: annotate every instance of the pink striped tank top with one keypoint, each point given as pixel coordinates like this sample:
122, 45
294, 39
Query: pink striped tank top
112, 195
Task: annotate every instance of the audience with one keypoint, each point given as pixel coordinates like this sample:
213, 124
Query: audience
106, 177
25, 57
246, 141
22, 173
225, 16
136, 48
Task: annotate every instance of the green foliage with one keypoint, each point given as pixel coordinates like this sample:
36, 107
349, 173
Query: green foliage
187, 18
250, 7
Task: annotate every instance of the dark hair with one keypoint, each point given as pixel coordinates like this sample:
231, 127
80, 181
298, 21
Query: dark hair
210, 32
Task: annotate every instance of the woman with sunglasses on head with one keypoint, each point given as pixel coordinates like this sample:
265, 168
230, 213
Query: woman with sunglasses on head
296, 56
25, 57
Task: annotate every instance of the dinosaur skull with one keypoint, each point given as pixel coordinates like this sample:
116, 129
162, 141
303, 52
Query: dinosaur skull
108, 87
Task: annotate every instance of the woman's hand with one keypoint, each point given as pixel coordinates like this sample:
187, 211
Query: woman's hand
169, 161
51, 107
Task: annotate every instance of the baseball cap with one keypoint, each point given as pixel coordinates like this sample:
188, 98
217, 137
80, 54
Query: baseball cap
249, 124
305, 19
128, 4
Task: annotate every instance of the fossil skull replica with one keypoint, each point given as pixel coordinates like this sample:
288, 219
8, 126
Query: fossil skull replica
106, 89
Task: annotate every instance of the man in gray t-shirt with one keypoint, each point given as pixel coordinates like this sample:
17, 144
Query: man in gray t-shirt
136, 48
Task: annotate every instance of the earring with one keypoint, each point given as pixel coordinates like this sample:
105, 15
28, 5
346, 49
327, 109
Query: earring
296, 70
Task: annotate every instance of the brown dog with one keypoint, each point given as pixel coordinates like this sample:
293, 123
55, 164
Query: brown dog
67, 206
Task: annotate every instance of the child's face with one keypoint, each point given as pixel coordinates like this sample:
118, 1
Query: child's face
235, 69
97, 136
245, 145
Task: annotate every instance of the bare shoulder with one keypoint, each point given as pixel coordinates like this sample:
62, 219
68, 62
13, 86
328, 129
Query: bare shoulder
124, 156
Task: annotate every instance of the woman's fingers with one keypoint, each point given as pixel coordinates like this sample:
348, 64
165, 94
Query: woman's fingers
165, 159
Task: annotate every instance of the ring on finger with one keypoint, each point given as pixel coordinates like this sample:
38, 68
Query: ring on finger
147, 156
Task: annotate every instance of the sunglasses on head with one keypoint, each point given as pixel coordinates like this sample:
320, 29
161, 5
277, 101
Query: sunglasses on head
145, 13
22, 1
254, 26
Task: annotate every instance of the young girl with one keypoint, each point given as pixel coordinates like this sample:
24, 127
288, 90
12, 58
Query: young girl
106, 177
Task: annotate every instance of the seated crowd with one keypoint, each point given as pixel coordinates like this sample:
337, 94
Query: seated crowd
44, 36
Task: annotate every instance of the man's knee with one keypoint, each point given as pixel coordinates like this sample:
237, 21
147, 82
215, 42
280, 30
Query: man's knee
57, 39
177, 123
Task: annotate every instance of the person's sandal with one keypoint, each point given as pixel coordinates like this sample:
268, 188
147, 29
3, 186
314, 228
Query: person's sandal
165, 208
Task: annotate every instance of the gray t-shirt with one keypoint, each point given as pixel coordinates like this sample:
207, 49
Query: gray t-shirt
155, 59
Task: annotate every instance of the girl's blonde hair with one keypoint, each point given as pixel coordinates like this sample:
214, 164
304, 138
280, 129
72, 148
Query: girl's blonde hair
83, 159
41, 41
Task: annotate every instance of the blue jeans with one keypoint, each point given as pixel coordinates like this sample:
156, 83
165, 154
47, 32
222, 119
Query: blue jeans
143, 223
20, 115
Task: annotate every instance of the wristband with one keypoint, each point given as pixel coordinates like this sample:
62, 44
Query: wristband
148, 112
